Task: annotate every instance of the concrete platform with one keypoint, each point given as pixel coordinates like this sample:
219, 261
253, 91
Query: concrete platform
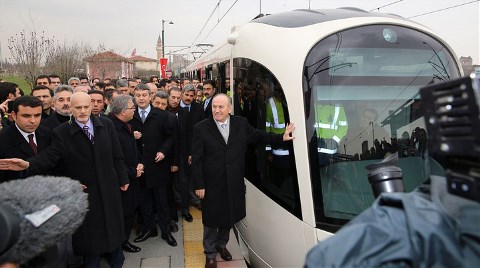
156, 253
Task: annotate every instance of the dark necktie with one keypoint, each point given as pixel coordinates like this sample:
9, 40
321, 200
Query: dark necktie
129, 128
89, 136
32, 143
143, 115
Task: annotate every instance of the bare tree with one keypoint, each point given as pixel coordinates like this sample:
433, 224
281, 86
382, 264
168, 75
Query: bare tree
29, 51
67, 59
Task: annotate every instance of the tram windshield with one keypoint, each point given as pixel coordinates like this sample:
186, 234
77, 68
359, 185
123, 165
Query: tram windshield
361, 89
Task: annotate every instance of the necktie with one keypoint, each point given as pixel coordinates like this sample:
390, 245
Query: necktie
224, 131
129, 128
143, 115
89, 136
32, 143
205, 105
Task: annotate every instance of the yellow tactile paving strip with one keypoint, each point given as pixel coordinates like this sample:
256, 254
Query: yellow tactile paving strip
192, 240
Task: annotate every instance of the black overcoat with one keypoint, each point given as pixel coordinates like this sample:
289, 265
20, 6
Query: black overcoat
196, 114
219, 168
100, 167
54, 120
14, 145
157, 136
131, 197
183, 138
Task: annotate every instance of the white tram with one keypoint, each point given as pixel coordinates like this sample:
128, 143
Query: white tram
349, 80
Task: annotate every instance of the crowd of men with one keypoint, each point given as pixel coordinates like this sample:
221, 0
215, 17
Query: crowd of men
133, 147
137, 130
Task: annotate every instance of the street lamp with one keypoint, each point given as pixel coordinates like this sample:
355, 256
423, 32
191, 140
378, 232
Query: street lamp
163, 36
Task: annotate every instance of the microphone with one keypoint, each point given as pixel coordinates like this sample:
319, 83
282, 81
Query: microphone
36, 213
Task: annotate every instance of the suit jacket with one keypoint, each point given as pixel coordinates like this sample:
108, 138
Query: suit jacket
14, 145
100, 167
218, 167
157, 136
208, 110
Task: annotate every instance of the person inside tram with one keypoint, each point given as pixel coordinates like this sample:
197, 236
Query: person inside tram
276, 119
331, 126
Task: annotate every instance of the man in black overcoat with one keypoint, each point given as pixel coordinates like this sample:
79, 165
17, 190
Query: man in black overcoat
196, 114
88, 149
183, 150
160, 101
218, 152
121, 111
154, 140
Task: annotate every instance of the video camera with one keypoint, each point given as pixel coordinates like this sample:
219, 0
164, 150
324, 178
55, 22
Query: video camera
453, 124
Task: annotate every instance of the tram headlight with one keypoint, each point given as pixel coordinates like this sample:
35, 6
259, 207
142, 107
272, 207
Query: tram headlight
389, 35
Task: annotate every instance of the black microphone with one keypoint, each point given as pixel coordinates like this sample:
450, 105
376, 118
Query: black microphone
36, 213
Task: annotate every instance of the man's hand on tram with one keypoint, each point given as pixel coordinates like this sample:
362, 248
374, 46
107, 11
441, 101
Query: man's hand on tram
288, 130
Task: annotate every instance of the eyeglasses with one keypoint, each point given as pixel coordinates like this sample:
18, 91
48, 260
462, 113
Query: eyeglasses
133, 107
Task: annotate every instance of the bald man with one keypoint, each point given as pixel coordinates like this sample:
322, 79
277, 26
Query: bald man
88, 149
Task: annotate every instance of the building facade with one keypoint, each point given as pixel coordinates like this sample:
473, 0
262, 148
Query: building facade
109, 65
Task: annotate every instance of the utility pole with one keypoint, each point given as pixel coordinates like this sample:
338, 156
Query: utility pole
163, 35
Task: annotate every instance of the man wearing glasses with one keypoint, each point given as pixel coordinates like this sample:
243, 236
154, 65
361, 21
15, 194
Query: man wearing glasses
54, 81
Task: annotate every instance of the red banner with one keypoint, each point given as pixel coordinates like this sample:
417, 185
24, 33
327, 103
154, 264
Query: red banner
163, 67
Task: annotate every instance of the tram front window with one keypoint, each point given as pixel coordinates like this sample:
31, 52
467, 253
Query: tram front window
361, 89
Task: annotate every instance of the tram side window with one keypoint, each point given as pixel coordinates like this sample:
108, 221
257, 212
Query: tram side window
271, 168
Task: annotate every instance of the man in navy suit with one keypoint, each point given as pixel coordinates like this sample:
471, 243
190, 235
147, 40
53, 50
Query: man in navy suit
154, 141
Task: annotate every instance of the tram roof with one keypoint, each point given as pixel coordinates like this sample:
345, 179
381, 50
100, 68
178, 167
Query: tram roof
305, 17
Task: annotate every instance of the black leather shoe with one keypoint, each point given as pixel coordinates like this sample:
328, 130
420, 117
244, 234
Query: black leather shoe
224, 253
173, 227
188, 217
130, 248
145, 235
170, 239
211, 263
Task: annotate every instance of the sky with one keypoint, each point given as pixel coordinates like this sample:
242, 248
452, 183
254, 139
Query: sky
124, 25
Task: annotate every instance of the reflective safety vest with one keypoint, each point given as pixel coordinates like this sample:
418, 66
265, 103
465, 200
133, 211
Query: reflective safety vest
275, 122
331, 123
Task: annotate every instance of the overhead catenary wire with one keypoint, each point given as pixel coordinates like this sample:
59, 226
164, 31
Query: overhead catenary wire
434, 11
389, 4
211, 14
219, 20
